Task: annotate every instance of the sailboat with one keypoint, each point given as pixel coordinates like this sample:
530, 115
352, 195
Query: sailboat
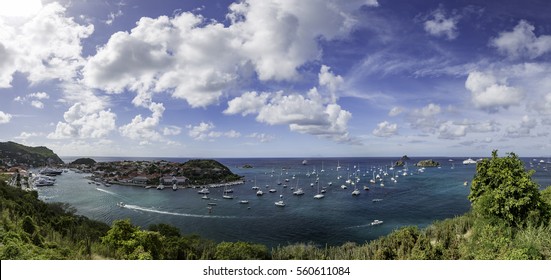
226, 194
319, 195
356, 192
299, 191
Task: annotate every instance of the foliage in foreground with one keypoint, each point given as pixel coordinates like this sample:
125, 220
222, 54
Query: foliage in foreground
32, 229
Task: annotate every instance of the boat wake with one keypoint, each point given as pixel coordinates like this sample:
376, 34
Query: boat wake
139, 208
111, 193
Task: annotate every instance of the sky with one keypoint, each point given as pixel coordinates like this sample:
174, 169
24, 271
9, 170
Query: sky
277, 78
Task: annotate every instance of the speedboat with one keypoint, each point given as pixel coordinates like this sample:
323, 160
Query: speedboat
376, 222
243, 202
121, 204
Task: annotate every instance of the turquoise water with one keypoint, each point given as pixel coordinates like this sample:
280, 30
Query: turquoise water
417, 199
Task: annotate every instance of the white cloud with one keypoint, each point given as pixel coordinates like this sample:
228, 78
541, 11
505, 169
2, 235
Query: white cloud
487, 93
331, 81
171, 130
39, 95
439, 25
450, 130
196, 60
145, 129
5, 117
83, 121
37, 104
205, 131
428, 111
247, 103
522, 42
309, 115
261, 137
34, 99
46, 46
395, 111
26, 135
385, 129
112, 16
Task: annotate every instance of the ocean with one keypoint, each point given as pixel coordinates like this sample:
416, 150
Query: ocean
420, 198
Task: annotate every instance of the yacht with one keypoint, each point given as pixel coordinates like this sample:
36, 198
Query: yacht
204, 191
259, 193
206, 197
356, 192
469, 161
298, 192
280, 203
272, 190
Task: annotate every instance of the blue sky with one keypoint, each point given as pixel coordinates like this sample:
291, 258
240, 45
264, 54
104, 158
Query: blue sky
276, 78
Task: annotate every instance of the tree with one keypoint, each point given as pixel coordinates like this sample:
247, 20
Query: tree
241, 251
503, 189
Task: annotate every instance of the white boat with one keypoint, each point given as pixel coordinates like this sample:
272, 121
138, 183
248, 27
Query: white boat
366, 188
319, 195
280, 203
205, 197
226, 196
121, 204
272, 190
343, 187
160, 187
469, 161
204, 191
243, 202
304, 162
377, 200
376, 222
355, 192
259, 193
299, 191
174, 187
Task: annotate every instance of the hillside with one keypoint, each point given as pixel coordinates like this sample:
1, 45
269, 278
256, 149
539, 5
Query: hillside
14, 154
206, 171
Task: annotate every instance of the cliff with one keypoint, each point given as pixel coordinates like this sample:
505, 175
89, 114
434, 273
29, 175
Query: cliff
427, 163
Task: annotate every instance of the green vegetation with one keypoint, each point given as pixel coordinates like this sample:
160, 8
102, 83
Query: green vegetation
509, 220
12, 153
427, 163
207, 171
84, 161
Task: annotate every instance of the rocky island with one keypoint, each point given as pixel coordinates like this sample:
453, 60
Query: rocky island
402, 161
427, 163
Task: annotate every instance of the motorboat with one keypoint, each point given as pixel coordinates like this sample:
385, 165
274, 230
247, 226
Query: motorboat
243, 202
376, 222
121, 204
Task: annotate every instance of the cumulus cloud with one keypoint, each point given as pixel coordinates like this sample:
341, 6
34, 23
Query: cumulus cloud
145, 129
458, 129
205, 131
304, 114
5, 117
171, 130
47, 46
522, 42
82, 121
440, 26
489, 94
195, 59
34, 99
385, 129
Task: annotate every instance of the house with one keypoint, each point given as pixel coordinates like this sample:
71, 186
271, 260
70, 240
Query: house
141, 180
171, 180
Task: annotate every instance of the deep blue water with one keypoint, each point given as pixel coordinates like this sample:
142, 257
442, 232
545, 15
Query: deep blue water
417, 199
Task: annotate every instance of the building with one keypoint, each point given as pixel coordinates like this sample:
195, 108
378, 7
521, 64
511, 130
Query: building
171, 180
